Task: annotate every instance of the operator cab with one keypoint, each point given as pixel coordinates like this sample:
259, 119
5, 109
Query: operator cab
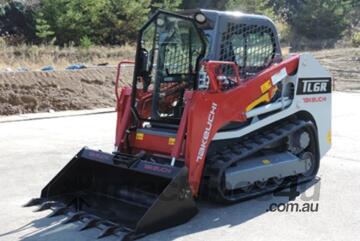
170, 49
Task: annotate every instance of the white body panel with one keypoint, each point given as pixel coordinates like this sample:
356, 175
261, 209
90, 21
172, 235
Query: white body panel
318, 105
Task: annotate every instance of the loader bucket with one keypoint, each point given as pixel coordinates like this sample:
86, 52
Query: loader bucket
119, 193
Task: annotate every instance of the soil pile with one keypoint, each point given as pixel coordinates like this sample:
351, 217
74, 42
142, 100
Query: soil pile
28, 92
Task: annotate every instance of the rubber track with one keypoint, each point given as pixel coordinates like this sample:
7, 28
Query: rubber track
229, 154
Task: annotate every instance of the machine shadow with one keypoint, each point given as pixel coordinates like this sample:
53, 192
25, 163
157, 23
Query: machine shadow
52, 229
210, 216
213, 215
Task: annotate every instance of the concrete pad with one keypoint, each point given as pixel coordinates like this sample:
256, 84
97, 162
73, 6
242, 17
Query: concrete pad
32, 152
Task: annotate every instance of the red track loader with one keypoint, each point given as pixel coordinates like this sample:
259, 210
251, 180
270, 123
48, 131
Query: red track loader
214, 111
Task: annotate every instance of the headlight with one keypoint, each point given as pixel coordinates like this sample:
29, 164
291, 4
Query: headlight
200, 18
160, 22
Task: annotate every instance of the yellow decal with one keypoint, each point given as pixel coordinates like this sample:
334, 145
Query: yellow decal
261, 99
329, 137
265, 86
266, 162
171, 141
139, 136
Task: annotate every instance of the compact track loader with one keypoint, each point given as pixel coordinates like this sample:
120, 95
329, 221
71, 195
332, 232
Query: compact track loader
213, 111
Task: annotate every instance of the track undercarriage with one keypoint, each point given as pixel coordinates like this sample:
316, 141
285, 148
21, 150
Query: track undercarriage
294, 136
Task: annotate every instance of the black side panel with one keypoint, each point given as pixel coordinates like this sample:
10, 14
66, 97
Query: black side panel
311, 86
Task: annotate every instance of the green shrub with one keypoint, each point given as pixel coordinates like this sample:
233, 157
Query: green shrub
85, 42
356, 39
2, 42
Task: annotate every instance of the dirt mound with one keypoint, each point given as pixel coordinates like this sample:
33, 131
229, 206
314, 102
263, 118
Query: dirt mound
94, 87
66, 90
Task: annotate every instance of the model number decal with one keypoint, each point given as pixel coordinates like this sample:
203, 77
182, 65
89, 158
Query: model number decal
314, 99
308, 86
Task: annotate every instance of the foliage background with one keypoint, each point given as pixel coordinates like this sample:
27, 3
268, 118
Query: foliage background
313, 24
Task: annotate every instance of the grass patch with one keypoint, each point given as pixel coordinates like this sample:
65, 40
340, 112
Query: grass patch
34, 57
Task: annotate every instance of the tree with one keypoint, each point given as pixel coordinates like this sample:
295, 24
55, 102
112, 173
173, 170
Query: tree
16, 20
262, 7
101, 21
207, 4
71, 20
165, 4
43, 29
354, 14
314, 20
121, 20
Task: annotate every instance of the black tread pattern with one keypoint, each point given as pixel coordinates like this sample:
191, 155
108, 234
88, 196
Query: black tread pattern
229, 155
